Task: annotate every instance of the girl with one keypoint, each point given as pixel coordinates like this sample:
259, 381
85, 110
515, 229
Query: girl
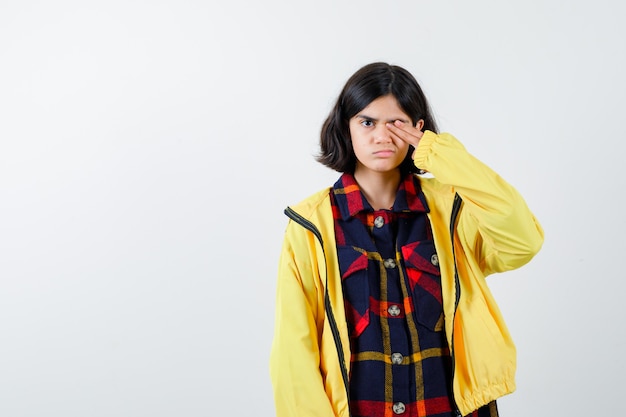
382, 307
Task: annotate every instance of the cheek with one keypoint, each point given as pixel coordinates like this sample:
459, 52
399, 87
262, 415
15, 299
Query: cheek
357, 147
405, 150
402, 146
356, 140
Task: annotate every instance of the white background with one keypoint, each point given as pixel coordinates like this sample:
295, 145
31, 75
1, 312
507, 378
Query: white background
148, 148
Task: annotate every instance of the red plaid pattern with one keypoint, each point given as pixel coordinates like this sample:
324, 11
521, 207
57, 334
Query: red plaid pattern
400, 364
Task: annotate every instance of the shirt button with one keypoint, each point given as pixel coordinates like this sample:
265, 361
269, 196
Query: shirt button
399, 407
389, 263
396, 358
434, 259
394, 310
379, 222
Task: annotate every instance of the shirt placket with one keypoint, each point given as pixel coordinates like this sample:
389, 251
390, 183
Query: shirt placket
396, 343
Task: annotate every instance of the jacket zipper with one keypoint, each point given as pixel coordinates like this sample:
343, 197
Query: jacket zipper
327, 306
456, 207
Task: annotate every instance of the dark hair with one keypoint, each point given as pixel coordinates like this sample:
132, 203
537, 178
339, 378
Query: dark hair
364, 86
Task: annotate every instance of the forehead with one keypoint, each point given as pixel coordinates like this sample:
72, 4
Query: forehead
386, 107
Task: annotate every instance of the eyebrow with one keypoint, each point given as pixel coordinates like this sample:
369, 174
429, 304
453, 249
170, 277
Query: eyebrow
373, 119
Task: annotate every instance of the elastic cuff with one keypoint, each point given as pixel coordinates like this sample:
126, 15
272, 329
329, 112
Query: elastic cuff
420, 156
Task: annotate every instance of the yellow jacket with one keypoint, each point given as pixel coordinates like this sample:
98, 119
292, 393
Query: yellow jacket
494, 232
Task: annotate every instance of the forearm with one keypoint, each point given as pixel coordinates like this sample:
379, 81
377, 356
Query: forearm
495, 222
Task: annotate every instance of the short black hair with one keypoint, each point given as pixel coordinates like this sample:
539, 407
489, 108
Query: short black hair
372, 81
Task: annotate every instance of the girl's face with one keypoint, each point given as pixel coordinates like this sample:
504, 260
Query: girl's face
375, 148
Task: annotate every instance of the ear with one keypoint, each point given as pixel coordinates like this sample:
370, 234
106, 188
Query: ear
420, 124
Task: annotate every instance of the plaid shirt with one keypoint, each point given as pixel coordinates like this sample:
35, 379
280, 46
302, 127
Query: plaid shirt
400, 364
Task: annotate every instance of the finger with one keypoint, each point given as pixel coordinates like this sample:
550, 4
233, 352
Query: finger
405, 132
399, 126
409, 128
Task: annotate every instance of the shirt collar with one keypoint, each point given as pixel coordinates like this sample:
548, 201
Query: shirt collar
351, 200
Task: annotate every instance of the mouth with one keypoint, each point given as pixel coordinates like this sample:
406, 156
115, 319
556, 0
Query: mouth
384, 152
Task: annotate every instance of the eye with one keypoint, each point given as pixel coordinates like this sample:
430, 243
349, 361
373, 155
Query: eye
367, 123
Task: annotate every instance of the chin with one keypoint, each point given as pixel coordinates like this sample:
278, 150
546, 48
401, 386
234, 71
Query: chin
387, 170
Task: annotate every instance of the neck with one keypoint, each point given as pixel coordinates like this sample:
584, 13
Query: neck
379, 188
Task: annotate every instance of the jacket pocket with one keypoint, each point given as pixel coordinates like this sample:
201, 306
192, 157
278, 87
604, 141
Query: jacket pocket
424, 283
355, 282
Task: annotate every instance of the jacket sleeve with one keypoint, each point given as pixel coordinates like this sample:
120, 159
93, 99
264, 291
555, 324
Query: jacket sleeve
295, 353
495, 224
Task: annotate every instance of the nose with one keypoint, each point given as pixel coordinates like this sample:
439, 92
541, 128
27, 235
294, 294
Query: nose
382, 134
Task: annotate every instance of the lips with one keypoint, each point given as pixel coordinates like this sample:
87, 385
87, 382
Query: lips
384, 152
